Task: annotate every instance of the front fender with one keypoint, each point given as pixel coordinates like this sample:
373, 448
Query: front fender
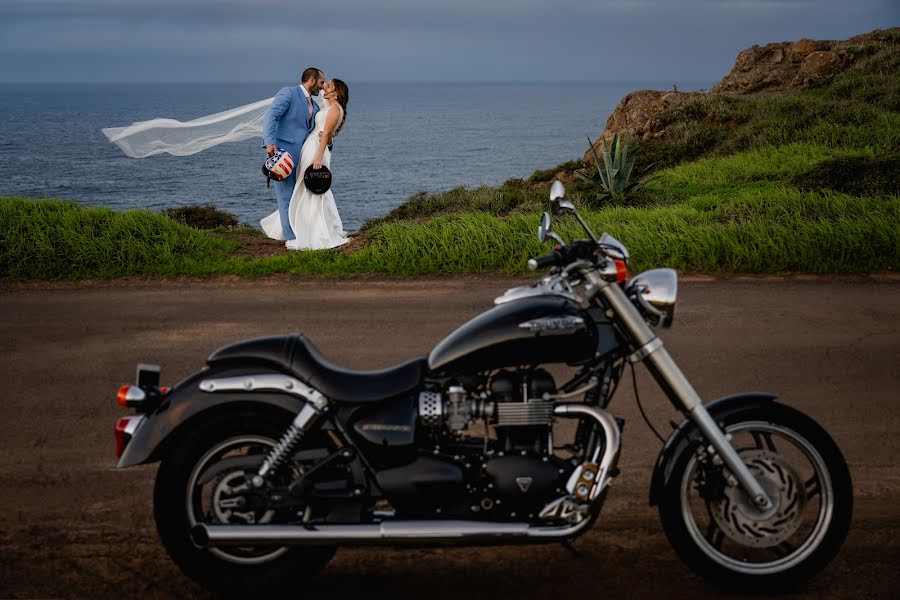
187, 401
687, 434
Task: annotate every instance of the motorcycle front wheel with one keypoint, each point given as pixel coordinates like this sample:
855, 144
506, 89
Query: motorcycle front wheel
719, 532
198, 481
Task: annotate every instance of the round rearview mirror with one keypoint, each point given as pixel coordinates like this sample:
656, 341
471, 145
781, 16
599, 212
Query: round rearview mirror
544, 228
557, 190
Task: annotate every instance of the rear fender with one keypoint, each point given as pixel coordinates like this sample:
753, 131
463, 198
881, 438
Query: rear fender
687, 435
187, 402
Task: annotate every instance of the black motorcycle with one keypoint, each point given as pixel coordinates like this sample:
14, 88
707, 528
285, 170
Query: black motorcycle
272, 457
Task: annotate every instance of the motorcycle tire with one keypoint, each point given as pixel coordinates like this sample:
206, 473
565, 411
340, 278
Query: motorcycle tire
739, 547
226, 571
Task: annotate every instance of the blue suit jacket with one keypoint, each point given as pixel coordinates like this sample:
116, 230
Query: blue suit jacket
287, 121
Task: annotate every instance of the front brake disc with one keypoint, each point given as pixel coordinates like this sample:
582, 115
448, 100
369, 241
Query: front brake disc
740, 519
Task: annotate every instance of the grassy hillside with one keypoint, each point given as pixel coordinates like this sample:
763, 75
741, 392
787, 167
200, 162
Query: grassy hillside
807, 182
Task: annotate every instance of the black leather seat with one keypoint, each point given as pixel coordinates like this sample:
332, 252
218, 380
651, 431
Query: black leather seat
296, 355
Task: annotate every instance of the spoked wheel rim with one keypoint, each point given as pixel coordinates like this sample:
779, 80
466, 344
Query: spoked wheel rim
733, 533
209, 494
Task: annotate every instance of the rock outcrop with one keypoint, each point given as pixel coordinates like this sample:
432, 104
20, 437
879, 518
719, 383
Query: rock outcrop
789, 66
771, 69
638, 112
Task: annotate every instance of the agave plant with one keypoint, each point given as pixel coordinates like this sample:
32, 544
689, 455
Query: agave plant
614, 174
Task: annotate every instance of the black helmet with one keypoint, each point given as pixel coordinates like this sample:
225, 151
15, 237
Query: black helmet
317, 181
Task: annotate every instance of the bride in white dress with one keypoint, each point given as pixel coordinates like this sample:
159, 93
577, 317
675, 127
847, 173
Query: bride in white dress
314, 217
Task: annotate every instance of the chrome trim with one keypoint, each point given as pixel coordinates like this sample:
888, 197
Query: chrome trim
613, 439
430, 406
656, 291
614, 248
134, 395
554, 325
133, 424
567, 509
645, 350
516, 414
729, 455
557, 190
385, 533
544, 228
548, 286
266, 383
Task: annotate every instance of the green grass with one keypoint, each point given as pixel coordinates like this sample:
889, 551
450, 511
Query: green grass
749, 230
50, 239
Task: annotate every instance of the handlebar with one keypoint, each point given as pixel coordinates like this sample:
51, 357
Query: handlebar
553, 259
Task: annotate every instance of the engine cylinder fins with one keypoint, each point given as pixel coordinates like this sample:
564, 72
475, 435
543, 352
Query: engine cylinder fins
533, 412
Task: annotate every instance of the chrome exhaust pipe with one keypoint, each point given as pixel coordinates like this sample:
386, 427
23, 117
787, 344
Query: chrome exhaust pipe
388, 533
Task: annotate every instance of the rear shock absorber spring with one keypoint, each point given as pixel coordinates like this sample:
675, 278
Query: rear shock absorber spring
282, 451
287, 444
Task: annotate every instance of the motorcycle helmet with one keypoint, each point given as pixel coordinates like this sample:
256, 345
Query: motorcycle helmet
318, 181
278, 166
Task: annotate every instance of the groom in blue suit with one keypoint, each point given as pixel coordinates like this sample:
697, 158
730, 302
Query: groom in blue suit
289, 120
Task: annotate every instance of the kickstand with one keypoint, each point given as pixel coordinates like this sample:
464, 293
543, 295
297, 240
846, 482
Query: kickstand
567, 544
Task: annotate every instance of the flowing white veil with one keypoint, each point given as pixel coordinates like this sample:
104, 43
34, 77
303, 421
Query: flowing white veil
157, 136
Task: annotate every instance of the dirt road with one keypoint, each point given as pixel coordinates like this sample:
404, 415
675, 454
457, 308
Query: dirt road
74, 526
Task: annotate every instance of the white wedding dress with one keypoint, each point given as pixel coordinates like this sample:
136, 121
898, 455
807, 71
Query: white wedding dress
314, 217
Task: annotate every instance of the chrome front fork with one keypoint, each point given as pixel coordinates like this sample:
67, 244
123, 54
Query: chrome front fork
649, 348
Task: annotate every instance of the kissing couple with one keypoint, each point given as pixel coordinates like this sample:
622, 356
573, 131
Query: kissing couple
302, 120
296, 122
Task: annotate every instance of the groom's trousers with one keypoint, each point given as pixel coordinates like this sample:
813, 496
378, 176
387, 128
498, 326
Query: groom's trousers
284, 189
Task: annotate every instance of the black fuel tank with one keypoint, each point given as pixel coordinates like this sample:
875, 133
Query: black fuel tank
538, 330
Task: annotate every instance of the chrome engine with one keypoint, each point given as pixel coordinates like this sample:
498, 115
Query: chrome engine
512, 399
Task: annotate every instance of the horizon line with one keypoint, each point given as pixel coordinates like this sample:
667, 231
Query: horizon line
407, 82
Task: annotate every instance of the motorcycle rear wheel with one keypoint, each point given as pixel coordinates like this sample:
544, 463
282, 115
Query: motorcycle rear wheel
720, 534
182, 498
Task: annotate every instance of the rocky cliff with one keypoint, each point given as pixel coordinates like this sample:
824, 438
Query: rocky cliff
778, 68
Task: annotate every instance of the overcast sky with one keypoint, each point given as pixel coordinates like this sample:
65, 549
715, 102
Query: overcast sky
409, 40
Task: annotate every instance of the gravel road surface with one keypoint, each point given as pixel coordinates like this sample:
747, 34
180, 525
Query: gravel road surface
72, 525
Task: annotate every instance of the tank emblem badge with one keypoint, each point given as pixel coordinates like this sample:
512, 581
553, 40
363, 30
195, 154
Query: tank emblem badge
554, 325
524, 483
385, 427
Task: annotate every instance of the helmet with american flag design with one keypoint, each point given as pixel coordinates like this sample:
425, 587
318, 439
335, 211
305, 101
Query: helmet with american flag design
278, 166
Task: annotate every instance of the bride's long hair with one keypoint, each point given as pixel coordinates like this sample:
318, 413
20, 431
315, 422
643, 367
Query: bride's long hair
342, 96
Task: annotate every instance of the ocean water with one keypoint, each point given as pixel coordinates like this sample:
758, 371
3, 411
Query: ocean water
399, 139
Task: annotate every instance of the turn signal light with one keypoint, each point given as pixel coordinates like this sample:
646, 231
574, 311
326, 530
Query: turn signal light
130, 396
621, 271
121, 398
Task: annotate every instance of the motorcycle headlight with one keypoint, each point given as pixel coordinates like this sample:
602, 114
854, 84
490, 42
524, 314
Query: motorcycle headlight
654, 292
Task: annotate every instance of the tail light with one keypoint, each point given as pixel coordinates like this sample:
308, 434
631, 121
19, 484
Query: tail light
125, 428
